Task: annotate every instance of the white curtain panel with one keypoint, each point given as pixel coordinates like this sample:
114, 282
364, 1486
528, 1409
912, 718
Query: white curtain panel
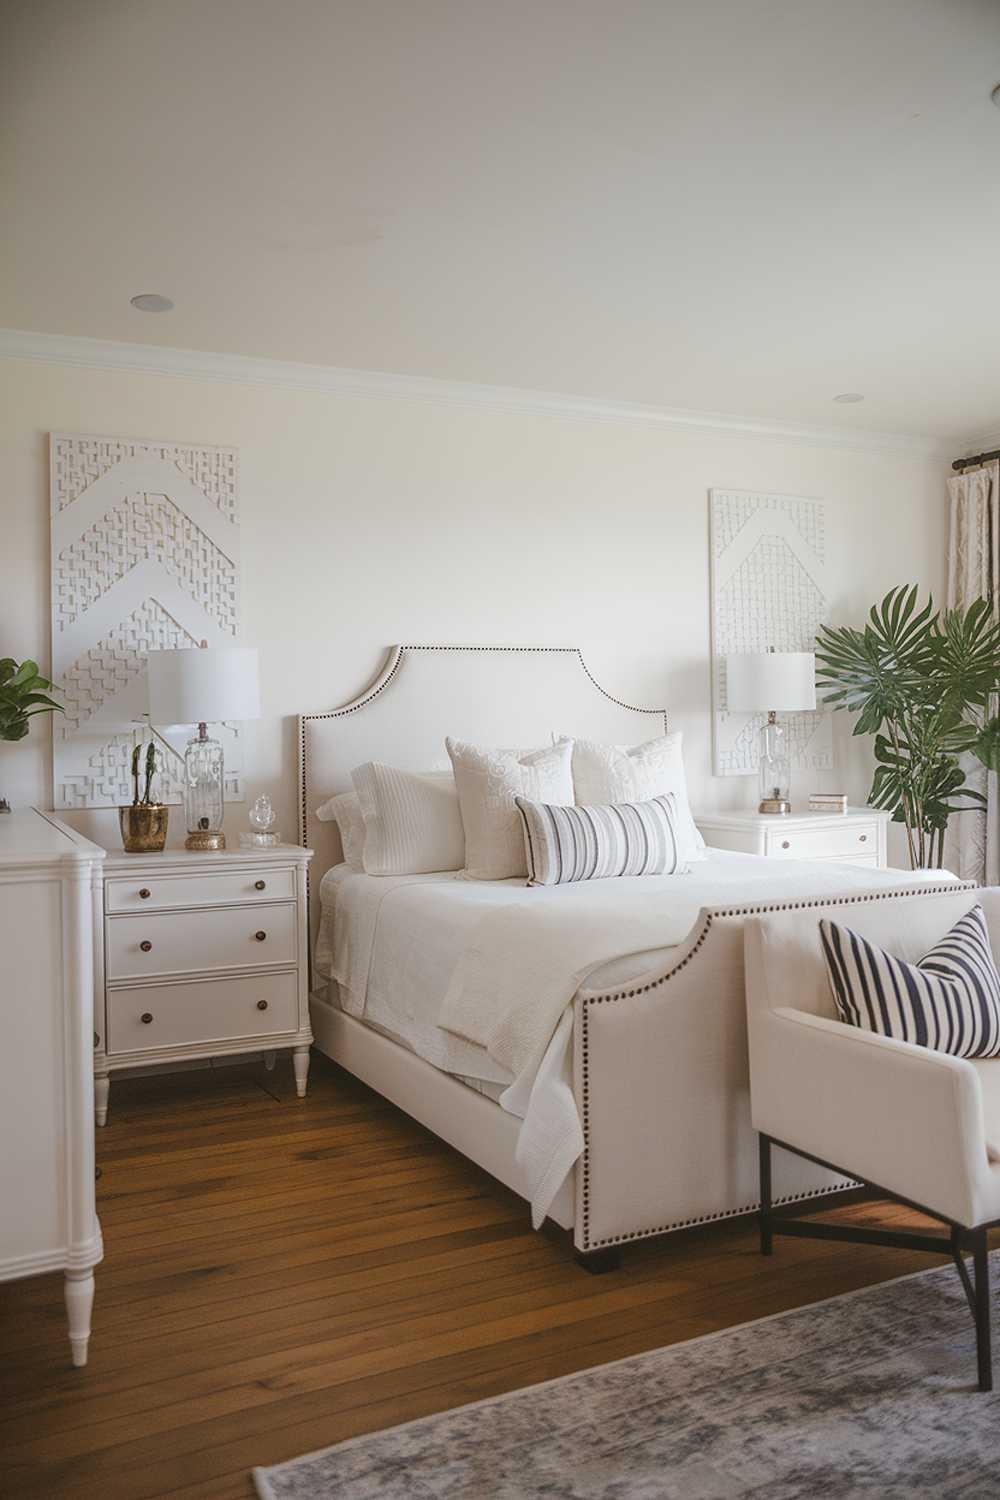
972, 845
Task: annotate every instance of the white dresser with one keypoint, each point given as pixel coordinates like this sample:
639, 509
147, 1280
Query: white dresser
202, 954
857, 837
49, 876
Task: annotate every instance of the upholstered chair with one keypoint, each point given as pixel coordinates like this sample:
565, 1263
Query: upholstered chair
917, 1125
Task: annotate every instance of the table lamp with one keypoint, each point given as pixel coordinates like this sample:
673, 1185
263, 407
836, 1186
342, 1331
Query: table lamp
775, 682
203, 685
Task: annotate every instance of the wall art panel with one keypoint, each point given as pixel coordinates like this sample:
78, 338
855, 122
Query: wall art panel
145, 555
768, 557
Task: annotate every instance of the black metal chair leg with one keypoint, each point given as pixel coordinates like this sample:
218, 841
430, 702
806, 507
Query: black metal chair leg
766, 1238
984, 1349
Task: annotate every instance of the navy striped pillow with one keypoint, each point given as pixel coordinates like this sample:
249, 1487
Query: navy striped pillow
564, 844
949, 1001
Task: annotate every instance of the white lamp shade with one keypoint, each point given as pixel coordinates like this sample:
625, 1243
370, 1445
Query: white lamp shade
783, 681
203, 685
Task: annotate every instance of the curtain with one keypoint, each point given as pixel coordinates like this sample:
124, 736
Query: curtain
972, 843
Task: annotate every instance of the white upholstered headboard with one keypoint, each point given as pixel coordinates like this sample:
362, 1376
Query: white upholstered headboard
491, 695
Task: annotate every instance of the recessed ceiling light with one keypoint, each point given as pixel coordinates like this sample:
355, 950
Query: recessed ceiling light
152, 302
848, 398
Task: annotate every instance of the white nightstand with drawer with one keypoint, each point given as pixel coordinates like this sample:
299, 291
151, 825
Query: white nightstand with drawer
857, 837
201, 955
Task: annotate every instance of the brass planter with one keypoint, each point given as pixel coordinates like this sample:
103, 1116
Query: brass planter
144, 829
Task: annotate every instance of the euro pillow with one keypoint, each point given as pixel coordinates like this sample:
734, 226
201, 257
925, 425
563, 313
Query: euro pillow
412, 821
949, 1001
621, 773
345, 811
564, 844
487, 782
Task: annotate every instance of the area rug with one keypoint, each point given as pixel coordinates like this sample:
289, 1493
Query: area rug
867, 1396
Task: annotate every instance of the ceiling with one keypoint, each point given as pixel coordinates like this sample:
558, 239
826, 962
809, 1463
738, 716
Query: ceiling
742, 206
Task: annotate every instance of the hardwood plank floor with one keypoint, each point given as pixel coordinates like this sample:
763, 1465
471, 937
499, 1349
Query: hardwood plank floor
282, 1273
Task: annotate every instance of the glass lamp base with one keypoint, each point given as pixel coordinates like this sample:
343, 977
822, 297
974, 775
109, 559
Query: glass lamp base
775, 769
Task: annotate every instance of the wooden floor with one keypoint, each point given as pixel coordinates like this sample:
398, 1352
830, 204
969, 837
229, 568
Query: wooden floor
281, 1274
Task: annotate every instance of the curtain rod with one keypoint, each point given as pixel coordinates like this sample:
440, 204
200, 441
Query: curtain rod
977, 458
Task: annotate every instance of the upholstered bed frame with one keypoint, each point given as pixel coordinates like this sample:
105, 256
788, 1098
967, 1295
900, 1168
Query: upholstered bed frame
660, 1065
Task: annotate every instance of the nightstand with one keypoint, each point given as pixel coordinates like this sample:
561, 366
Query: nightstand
200, 955
857, 837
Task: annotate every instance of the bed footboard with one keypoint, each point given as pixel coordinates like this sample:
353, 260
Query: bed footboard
661, 1082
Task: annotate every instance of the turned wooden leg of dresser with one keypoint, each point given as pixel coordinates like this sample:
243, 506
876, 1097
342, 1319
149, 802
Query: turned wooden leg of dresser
300, 1061
79, 1301
102, 1091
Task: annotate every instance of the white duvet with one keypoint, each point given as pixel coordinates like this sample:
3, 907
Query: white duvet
478, 977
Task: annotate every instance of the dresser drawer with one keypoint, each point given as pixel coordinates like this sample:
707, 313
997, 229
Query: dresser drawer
188, 942
144, 893
211, 1010
826, 842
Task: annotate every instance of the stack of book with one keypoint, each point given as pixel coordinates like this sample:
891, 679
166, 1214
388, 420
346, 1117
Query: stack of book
828, 802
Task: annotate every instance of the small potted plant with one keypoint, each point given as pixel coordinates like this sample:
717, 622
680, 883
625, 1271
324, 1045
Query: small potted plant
144, 824
23, 693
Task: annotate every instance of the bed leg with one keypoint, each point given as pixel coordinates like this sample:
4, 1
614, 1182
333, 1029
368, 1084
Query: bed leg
598, 1262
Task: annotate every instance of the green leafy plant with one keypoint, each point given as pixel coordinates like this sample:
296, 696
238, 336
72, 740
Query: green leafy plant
23, 694
924, 682
151, 760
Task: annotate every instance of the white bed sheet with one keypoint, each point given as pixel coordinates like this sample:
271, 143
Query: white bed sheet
409, 952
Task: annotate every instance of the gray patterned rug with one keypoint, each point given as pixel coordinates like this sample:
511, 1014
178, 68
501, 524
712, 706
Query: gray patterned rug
869, 1396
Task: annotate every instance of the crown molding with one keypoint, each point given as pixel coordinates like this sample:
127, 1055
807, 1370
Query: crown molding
241, 369
979, 442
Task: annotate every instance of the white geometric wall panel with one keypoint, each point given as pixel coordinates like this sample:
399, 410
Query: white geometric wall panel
768, 589
145, 555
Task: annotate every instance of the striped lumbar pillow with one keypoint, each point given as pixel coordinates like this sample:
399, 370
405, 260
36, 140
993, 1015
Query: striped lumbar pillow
595, 843
949, 1001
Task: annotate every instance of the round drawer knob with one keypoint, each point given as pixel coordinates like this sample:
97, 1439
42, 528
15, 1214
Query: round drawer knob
260, 936
145, 1018
145, 894
260, 885
262, 1005
146, 945
785, 844
862, 837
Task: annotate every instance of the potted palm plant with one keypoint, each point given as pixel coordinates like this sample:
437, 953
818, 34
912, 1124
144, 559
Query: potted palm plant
924, 683
23, 694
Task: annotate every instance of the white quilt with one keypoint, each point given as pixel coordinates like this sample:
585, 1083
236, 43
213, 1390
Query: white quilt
479, 976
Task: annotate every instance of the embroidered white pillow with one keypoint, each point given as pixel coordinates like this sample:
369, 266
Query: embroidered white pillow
638, 773
345, 811
412, 821
564, 844
488, 781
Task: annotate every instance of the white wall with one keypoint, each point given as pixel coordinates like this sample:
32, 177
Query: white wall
371, 520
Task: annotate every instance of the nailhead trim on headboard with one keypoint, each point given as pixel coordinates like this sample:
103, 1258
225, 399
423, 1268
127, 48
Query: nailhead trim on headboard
389, 671
951, 889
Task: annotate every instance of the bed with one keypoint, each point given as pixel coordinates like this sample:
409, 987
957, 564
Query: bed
586, 1045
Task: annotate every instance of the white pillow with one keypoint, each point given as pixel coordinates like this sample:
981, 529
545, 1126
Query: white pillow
618, 773
488, 781
412, 822
345, 811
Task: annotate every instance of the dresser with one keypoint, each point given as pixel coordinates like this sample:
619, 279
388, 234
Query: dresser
201, 955
49, 879
857, 837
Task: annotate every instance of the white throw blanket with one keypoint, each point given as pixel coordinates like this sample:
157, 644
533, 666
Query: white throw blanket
514, 983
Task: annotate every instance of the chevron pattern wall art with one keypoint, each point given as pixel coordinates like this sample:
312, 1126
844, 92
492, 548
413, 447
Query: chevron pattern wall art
145, 555
768, 589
